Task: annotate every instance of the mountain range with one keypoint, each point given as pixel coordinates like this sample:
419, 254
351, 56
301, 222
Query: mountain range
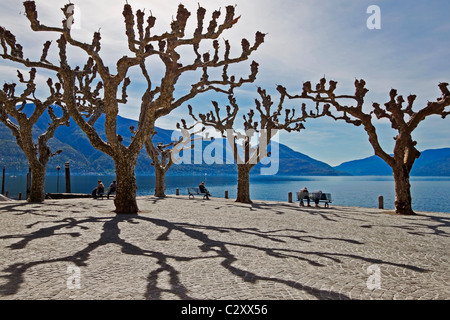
85, 159
432, 162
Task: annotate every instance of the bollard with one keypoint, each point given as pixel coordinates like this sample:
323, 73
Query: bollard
57, 178
3, 181
7, 194
67, 167
177, 192
380, 202
20, 195
226, 194
290, 197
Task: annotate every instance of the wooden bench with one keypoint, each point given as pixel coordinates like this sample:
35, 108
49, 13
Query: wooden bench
313, 196
196, 192
103, 194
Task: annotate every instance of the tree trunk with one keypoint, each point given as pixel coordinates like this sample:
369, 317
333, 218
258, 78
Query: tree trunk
125, 200
243, 187
37, 192
403, 200
160, 182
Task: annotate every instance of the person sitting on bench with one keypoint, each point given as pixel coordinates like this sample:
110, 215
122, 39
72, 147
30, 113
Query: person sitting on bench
304, 194
100, 189
203, 189
112, 188
318, 196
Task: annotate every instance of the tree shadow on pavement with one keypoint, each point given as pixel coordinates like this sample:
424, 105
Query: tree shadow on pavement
208, 248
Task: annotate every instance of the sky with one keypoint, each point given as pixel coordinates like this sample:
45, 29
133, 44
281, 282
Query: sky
305, 41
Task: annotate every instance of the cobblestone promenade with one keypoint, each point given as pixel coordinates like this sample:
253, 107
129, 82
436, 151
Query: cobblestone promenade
196, 249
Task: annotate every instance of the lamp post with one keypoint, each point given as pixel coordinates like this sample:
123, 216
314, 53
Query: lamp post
57, 179
67, 168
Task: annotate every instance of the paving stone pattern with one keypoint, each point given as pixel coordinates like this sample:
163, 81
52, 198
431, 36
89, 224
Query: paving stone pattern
218, 249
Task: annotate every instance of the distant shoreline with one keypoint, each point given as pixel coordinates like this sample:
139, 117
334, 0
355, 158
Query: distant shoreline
91, 174
429, 193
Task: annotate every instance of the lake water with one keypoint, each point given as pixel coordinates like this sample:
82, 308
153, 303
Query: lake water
429, 193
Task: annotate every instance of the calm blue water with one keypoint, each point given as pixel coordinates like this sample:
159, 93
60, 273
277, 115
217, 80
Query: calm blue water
429, 193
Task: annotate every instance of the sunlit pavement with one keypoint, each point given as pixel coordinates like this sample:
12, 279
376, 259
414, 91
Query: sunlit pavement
177, 248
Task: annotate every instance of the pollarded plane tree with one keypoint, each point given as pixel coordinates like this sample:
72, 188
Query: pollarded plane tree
161, 161
164, 155
400, 114
16, 117
85, 106
268, 124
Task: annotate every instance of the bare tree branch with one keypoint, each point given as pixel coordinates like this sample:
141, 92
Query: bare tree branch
402, 117
94, 90
268, 124
13, 106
